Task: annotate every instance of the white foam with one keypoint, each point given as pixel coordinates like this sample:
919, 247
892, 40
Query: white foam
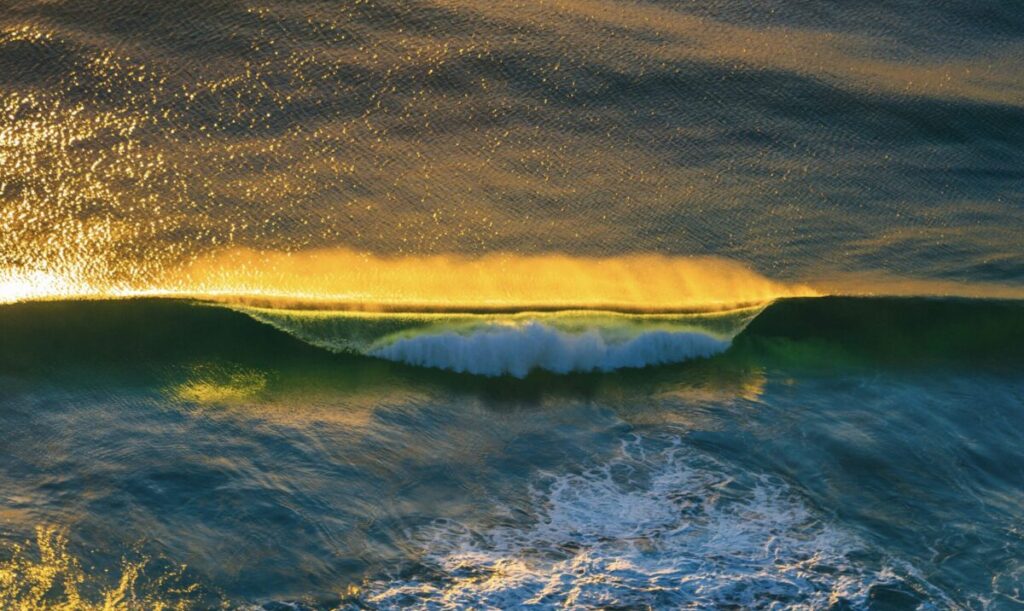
515, 350
658, 526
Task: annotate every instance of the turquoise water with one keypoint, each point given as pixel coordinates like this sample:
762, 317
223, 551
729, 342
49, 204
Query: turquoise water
837, 452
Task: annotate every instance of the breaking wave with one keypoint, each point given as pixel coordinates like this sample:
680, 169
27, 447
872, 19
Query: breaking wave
517, 350
825, 332
515, 344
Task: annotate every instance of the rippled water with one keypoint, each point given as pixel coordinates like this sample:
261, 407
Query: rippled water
806, 139
445, 304
858, 453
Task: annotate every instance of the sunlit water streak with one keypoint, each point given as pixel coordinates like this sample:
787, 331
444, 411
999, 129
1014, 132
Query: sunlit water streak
798, 142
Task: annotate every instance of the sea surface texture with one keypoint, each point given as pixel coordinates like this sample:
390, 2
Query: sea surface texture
453, 304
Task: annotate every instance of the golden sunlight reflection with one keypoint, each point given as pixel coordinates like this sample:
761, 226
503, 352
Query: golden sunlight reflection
495, 281
879, 283
235, 392
747, 385
346, 279
211, 385
34, 285
701, 398
44, 574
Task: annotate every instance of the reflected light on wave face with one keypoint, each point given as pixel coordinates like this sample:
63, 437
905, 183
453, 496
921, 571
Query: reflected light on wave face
495, 281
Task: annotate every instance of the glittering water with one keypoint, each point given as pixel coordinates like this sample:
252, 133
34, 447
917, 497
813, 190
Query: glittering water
511, 304
803, 139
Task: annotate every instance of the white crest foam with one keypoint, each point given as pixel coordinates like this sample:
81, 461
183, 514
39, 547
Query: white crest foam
517, 349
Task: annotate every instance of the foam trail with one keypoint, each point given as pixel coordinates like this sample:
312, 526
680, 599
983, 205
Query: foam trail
660, 525
516, 350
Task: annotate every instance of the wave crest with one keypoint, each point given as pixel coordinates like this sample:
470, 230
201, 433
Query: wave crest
516, 350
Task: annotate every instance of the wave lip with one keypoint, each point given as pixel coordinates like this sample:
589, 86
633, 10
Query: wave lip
515, 350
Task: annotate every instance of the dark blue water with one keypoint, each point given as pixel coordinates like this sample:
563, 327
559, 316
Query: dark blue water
839, 454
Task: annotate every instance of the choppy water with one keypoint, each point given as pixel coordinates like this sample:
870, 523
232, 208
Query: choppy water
509, 304
846, 453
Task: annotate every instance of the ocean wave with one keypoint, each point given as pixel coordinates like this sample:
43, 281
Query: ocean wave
660, 525
518, 349
827, 332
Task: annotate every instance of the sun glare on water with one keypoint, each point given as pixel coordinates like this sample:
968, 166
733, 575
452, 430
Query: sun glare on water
495, 281
343, 277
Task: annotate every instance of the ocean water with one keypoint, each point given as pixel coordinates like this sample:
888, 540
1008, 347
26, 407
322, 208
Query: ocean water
832, 453
493, 305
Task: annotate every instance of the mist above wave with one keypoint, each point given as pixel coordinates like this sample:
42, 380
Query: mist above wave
501, 280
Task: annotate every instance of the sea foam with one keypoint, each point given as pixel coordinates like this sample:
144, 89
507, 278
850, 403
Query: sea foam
660, 525
516, 350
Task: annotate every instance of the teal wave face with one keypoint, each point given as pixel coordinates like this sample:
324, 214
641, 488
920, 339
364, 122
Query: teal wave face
887, 332
833, 332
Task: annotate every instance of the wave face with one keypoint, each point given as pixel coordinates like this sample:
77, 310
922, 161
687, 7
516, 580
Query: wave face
887, 332
516, 344
516, 350
804, 333
794, 333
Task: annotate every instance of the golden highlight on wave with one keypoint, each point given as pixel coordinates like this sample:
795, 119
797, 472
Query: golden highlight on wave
642, 282
342, 278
